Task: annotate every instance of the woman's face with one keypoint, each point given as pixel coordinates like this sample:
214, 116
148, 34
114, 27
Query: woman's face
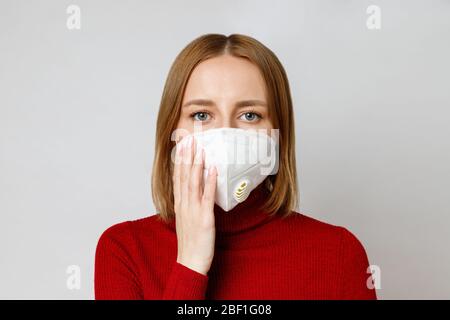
225, 91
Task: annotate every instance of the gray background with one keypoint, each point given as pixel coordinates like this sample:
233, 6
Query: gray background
78, 111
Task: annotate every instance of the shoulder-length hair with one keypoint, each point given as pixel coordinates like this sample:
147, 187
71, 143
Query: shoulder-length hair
283, 196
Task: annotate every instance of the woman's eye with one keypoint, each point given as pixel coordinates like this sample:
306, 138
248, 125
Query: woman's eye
251, 116
200, 116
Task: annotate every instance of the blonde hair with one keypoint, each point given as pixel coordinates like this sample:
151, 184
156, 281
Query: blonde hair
283, 196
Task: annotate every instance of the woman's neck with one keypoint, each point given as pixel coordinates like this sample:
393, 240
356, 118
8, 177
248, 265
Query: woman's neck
244, 217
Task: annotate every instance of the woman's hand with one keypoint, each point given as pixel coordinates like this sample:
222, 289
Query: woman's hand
194, 208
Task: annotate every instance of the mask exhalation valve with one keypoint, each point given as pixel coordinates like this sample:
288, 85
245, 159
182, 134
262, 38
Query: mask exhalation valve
242, 190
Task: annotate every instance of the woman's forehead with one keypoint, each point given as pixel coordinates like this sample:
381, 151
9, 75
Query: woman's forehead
225, 79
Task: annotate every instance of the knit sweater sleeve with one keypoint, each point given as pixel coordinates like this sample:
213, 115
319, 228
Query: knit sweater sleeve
116, 275
185, 284
354, 273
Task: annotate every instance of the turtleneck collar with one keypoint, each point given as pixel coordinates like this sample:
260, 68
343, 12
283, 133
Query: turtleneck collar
245, 216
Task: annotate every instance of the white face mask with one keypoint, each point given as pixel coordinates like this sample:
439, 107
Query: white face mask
243, 158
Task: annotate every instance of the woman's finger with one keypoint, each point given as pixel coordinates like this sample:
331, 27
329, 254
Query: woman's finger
186, 171
176, 176
210, 189
197, 174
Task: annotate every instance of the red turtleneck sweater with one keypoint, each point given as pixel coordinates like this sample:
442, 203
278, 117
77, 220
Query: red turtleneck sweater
256, 257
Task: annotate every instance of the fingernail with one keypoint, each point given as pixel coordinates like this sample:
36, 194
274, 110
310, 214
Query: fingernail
211, 170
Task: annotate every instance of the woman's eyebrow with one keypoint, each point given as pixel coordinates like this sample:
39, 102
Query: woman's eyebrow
240, 104
251, 103
199, 102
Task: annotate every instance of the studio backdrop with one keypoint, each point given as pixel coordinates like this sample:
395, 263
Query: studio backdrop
80, 87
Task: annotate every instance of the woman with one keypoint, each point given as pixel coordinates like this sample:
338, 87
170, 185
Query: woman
259, 249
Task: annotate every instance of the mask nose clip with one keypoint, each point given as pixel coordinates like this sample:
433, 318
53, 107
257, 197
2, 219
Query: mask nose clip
242, 190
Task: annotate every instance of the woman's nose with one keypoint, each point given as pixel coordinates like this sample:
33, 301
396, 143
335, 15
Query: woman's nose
227, 122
